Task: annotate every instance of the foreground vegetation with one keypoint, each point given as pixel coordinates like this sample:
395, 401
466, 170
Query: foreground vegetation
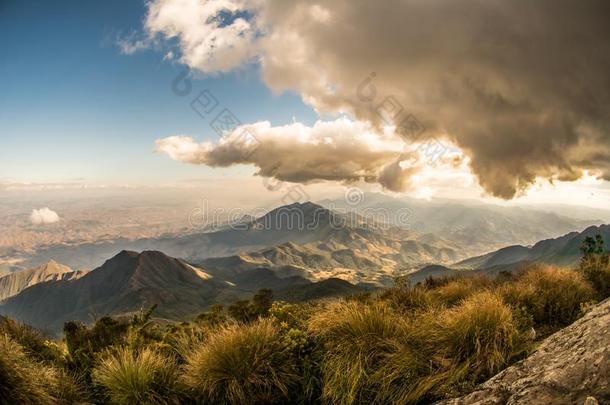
408, 344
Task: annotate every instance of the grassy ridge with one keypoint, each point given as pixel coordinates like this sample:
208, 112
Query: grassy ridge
407, 344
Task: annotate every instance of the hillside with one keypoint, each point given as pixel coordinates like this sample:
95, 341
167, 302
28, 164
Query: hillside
15, 282
353, 255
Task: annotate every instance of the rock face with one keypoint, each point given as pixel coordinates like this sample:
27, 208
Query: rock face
570, 367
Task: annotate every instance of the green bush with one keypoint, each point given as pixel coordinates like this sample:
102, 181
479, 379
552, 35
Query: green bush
596, 269
146, 377
242, 364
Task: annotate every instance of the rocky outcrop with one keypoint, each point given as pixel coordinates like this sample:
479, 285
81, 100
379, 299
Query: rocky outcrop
570, 367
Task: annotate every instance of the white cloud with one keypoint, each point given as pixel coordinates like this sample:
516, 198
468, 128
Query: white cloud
214, 35
341, 150
44, 216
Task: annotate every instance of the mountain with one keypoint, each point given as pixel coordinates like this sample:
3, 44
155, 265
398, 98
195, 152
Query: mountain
13, 283
126, 283
564, 251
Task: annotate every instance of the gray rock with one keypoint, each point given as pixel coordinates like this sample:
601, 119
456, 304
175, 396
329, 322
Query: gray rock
570, 367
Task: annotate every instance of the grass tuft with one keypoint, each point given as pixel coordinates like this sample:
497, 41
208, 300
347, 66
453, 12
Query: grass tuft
23, 380
129, 378
242, 364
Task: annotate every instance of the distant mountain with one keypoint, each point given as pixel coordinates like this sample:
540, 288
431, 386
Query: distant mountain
564, 251
474, 226
13, 283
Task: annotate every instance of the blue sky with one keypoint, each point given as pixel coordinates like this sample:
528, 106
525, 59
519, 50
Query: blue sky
73, 107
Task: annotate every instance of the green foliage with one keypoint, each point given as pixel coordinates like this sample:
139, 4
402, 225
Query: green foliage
242, 364
214, 317
84, 343
592, 246
595, 265
22, 380
248, 311
146, 377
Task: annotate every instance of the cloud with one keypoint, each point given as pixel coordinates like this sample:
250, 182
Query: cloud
44, 216
214, 35
521, 87
341, 150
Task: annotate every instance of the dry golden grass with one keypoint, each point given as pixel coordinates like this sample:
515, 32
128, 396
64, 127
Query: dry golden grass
553, 296
23, 380
460, 288
241, 364
146, 377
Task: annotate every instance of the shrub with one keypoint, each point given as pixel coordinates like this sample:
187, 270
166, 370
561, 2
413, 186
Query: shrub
84, 343
479, 336
130, 378
553, 296
242, 364
246, 311
367, 359
596, 269
22, 380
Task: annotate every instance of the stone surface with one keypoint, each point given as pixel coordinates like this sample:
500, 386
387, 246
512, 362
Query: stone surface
571, 366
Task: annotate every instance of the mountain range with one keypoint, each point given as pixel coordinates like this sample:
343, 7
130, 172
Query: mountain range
132, 281
462, 229
288, 236
562, 251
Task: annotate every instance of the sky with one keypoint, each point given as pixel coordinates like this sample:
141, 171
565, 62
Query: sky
73, 107
404, 97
